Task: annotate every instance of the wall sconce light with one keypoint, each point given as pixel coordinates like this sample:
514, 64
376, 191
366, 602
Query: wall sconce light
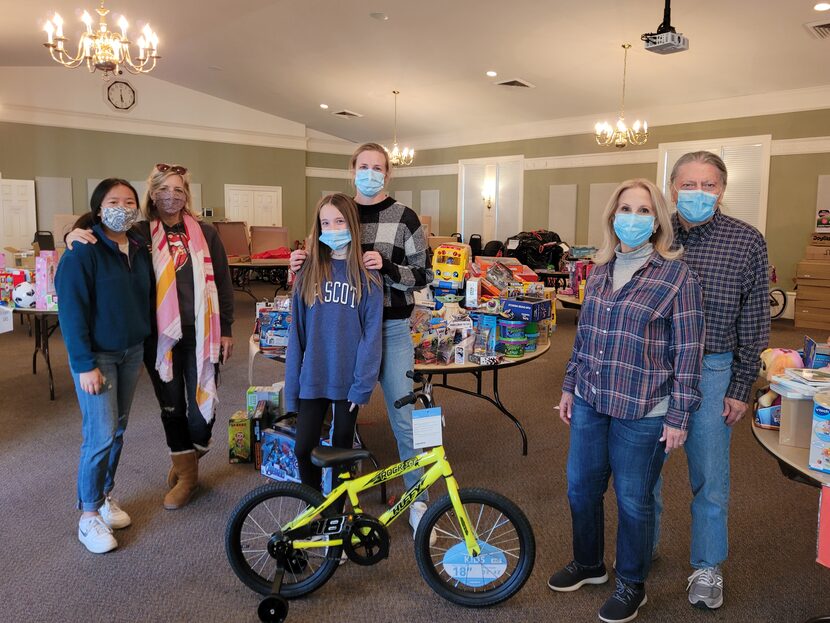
488, 192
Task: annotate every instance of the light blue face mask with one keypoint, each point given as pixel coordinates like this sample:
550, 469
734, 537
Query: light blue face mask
369, 182
633, 229
696, 206
336, 239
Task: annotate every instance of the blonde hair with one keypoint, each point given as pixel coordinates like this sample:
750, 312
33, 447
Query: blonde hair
155, 181
317, 268
662, 239
372, 147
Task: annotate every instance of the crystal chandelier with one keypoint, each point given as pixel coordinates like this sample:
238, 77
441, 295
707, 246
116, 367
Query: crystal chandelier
101, 49
397, 156
621, 135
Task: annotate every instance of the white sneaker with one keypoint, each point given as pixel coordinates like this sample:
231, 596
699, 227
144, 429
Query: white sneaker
113, 515
96, 535
416, 513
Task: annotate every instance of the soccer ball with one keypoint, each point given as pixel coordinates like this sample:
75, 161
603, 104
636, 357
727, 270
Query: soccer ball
24, 295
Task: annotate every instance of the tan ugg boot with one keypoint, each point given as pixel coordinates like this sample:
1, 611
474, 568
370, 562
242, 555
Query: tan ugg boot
186, 465
173, 476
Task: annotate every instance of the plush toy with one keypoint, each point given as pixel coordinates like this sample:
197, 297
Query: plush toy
773, 363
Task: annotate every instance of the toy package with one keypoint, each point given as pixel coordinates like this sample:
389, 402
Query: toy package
273, 331
269, 393
10, 278
239, 438
45, 266
278, 459
449, 265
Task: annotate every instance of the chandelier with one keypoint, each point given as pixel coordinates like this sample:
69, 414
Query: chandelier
397, 156
101, 49
621, 135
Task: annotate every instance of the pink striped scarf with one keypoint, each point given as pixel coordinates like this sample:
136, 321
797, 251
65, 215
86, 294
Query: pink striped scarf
206, 308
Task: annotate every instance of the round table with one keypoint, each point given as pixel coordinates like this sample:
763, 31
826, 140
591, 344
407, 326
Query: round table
477, 370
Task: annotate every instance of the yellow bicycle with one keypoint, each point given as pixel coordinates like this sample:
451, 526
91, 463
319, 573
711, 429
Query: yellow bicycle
474, 547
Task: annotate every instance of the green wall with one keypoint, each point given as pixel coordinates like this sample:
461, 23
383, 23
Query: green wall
31, 151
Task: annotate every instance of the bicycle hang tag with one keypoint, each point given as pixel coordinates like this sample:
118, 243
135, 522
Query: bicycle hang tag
426, 428
475, 571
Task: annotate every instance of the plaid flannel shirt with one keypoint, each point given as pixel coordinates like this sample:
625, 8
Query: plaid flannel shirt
641, 343
395, 231
729, 258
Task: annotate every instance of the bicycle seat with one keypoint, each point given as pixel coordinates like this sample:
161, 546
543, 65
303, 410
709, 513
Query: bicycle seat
326, 456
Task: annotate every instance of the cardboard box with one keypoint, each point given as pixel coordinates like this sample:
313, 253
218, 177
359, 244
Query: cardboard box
813, 269
273, 330
819, 239
810, 294
815, 252
472, 297
529, 309
21, 258
240, 449
795, 422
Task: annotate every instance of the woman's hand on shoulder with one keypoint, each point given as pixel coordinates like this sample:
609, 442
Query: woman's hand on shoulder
297, 259
83, 236
566, 404
674, 437
372, 260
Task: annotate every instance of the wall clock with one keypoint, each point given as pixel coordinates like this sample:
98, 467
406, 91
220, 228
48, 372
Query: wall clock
120, 95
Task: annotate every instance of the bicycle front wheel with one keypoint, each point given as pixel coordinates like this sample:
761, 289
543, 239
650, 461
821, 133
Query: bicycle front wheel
508, 549
253, 523
777, 303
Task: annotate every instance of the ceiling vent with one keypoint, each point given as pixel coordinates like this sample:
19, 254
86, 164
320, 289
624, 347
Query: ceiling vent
819, 30
347, 114
516, 82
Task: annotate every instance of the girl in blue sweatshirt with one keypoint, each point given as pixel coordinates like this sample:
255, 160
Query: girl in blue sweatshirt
104, 291
334, 345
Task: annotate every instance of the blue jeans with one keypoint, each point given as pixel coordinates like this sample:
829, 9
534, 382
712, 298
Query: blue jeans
398, 359
631, 450
104, 422
707, 453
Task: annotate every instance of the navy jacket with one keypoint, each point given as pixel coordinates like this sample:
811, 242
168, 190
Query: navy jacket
104, 304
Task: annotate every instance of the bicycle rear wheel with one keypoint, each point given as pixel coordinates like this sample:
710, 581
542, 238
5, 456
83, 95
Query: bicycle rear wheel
253, 523
508, 549
777, 302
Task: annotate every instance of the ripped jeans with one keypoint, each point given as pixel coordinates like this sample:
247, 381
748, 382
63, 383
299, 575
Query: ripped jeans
184, 425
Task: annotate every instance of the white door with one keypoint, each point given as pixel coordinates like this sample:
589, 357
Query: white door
491, 197
18, 213
509, 198
471, 182
256, 205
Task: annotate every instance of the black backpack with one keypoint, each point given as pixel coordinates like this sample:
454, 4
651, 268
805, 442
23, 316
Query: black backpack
475, 244
536, 249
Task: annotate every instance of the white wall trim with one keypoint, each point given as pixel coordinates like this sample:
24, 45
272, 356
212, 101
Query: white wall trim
332, 174
36, 115
638, 156
796, 146
426, 170
322, 146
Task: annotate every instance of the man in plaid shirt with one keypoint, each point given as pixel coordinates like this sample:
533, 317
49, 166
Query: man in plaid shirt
730, 260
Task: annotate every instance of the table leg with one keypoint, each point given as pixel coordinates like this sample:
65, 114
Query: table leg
495, 401
42, 333
241, 278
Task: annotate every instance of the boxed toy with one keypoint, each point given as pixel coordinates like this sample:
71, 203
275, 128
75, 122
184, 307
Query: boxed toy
820, 438
239, 438
527, 308
273, 330
473, 293
268, 393
278, 459
45, 266
10, 278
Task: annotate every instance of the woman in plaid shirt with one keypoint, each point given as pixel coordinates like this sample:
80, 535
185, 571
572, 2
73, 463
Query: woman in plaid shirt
629, 388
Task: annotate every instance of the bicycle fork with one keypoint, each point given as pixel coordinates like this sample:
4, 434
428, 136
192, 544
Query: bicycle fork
464, 523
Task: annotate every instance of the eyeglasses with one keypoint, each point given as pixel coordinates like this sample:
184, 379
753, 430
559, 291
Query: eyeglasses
175, 168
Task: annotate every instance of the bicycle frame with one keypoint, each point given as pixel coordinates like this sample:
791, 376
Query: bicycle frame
352, 487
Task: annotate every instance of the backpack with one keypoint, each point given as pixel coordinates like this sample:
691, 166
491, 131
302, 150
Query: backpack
475, 244
536, 249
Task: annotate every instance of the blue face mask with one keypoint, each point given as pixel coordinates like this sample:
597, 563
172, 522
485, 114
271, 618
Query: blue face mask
369, 182
696, 206
633, 229
336, 239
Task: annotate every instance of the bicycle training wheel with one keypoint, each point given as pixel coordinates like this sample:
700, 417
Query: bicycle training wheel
777, 303
253, 522
508, 549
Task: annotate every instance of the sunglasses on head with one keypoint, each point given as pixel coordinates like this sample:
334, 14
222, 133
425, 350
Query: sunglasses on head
175, 168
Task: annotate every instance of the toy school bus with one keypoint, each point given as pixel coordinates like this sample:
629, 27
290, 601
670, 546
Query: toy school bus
449, 265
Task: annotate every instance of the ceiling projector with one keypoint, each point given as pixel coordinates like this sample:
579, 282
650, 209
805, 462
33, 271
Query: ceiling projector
666, 40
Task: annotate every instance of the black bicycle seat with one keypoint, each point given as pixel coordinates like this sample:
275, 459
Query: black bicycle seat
326, 456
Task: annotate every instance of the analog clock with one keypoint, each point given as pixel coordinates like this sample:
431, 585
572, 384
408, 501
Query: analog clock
120, 95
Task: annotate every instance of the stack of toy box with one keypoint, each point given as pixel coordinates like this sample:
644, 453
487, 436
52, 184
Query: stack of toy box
245, 427
812, 305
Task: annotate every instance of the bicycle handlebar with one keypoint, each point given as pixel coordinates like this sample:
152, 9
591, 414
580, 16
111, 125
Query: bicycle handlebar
406, 400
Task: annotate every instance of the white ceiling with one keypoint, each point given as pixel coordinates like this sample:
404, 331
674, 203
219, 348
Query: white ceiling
285, 57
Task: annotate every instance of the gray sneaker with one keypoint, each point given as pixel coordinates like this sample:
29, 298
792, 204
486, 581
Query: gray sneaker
706, 588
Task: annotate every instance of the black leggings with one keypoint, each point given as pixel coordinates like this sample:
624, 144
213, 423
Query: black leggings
310, 418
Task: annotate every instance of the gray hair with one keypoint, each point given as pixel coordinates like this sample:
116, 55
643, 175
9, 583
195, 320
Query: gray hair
705, 157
